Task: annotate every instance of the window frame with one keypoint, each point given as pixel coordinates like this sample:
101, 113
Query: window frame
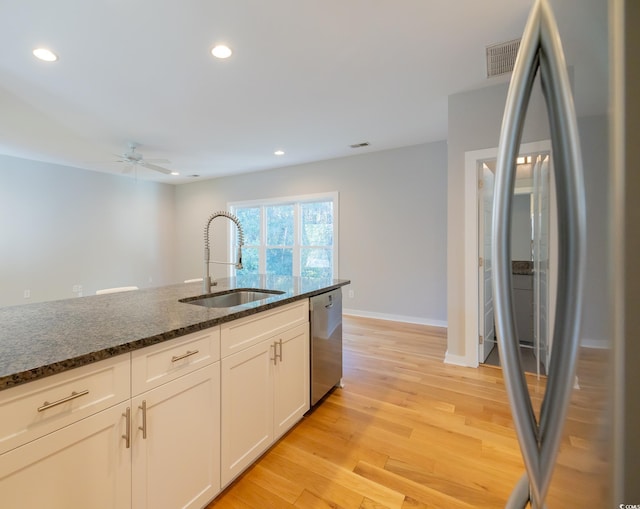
297, 246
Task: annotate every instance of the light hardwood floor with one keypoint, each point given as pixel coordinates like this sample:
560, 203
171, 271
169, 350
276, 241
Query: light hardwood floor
408, 431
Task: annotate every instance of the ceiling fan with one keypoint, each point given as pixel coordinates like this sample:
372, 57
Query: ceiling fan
132, 159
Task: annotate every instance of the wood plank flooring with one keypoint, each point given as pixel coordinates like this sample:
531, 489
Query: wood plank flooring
408, 431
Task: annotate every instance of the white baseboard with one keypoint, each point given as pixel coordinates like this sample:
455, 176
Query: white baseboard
457, 360
602, 344
395, 318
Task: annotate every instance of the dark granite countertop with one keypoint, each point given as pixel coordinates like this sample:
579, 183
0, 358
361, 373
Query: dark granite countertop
522, 267
37, 340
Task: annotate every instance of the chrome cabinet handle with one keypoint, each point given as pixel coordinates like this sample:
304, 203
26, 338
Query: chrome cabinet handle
143, 428
540, 49
127, 432
276, 356
46, 405
184, 355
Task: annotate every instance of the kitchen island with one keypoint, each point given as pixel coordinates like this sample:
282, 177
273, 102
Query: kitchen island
138, 400
42, 339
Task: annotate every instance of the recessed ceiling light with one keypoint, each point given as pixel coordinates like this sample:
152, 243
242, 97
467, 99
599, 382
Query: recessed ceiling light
221, 51
279, 152
175, 173
45, 54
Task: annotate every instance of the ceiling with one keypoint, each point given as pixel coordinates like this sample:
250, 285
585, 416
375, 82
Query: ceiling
309, 77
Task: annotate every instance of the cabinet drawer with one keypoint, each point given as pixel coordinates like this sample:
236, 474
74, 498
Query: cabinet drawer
245, 332
34, 409
158, 364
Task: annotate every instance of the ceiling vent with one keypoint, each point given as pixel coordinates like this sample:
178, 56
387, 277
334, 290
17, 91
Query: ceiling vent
360, 145
502, 57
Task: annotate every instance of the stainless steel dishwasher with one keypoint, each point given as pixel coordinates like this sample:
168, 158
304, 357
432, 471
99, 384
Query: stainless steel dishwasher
326, 343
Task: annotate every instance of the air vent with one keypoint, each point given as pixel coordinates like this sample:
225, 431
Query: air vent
360, 145
502, 57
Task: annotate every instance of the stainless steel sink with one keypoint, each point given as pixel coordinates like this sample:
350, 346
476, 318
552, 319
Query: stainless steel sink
231, 298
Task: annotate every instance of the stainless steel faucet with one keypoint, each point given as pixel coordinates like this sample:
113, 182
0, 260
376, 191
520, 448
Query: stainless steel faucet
207, 281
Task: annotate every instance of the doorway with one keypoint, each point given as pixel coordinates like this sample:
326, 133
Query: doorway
529, 260
533, 256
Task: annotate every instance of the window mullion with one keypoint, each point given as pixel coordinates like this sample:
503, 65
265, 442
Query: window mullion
297, 236
262, 257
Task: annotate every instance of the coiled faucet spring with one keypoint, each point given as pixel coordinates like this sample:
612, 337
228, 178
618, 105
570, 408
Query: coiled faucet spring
207, 283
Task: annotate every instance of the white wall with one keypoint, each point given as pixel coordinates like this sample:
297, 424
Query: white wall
392, 230
61, 226
595, 153
475, 119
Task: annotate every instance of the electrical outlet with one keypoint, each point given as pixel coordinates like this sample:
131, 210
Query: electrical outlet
351, 294
27, 294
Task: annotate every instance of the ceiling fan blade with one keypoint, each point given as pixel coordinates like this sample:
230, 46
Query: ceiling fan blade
157, 161
154, 167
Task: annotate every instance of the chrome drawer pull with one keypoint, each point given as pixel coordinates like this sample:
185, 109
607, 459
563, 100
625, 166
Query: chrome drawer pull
183, 356
127, 435
143, 428
46, 405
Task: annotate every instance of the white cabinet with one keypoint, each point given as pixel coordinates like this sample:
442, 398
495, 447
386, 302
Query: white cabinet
239, 334
32, 410
291, 380
176, 442
166, 361
175, 426
265, 386
523, 306
247, 408
79, 438
70, 432
83, 465
163, 427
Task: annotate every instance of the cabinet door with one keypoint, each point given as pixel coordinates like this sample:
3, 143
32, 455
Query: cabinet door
247, 408
85, 464
177, 465
291, 380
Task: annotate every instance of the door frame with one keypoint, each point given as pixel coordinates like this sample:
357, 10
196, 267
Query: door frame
482, 268
471, 280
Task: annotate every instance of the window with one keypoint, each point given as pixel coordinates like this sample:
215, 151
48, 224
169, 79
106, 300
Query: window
294, 236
